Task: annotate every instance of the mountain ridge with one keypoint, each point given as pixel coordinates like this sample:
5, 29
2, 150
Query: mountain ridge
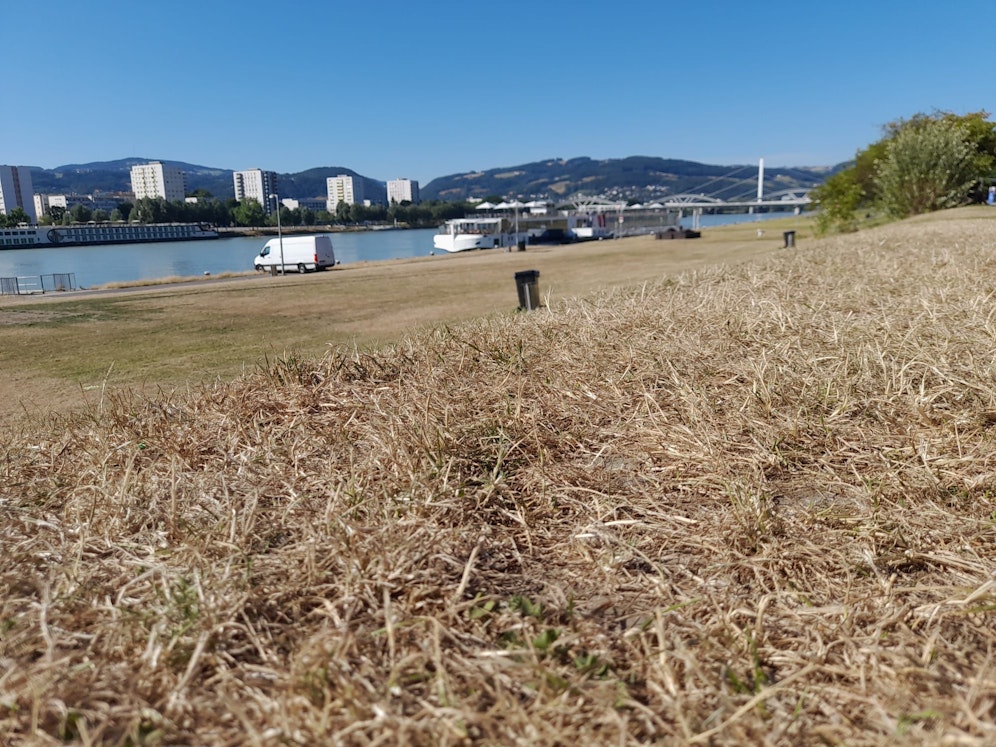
632, 177
640, 177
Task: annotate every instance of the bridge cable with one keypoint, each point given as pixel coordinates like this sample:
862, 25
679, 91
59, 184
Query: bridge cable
719, 178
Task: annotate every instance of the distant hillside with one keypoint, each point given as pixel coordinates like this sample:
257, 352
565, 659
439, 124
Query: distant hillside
115, 176
636, 177
312, 183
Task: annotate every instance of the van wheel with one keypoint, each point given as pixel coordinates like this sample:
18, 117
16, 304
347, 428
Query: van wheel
301, 268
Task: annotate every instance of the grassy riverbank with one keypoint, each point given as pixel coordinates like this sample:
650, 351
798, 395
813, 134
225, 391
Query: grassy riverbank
61, 352
748, 504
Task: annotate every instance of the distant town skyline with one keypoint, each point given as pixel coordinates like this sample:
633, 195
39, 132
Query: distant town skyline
423, 92
155, 179
635, 179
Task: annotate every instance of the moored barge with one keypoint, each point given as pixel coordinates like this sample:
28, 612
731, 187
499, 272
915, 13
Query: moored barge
27, 237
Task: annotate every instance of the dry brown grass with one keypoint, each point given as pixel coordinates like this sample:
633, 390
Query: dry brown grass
749, 505
172, 280
63, 350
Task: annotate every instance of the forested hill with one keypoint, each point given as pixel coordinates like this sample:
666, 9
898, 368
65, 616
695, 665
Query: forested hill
635, 177
640, 177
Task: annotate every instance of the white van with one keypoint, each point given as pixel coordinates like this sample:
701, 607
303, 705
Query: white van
301, 253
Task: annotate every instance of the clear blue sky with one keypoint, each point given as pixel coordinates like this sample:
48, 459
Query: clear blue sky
425, 89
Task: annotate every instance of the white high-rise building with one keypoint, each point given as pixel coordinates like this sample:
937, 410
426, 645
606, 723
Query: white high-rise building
155, 179
400, 190
258, 185
16, 191
42, 204
343, 188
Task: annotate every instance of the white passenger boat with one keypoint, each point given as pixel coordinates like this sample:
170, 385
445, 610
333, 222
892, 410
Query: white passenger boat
589, 227
464, 234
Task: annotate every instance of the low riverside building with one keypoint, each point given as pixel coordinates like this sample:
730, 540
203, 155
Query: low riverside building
107, 201
314, 204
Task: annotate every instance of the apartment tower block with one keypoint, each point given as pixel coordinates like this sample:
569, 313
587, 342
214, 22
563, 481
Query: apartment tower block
16, 191
258, 185
156, 179
344, 188
400, 190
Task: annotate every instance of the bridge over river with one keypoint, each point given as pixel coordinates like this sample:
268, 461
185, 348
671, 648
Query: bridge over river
694, 205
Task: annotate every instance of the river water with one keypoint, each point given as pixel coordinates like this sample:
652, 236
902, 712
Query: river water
117, 263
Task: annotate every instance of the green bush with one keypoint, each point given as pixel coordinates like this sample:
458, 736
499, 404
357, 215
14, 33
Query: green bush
929, 166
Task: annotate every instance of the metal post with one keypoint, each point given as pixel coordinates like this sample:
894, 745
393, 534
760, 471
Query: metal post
280, 235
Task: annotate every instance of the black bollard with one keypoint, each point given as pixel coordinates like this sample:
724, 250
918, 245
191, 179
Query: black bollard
527, 286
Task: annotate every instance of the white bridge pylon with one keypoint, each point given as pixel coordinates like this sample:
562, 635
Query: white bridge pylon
786, 197
796, 198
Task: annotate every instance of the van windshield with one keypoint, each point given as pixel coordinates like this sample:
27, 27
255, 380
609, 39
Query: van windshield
266, 250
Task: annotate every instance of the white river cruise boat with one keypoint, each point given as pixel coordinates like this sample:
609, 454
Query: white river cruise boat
464, 234
26, 237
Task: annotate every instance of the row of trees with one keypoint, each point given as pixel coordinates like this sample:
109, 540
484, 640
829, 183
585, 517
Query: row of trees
925, 163
249, 213
14, 218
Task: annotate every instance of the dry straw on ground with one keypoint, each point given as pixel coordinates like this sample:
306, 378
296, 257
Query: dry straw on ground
742, 506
